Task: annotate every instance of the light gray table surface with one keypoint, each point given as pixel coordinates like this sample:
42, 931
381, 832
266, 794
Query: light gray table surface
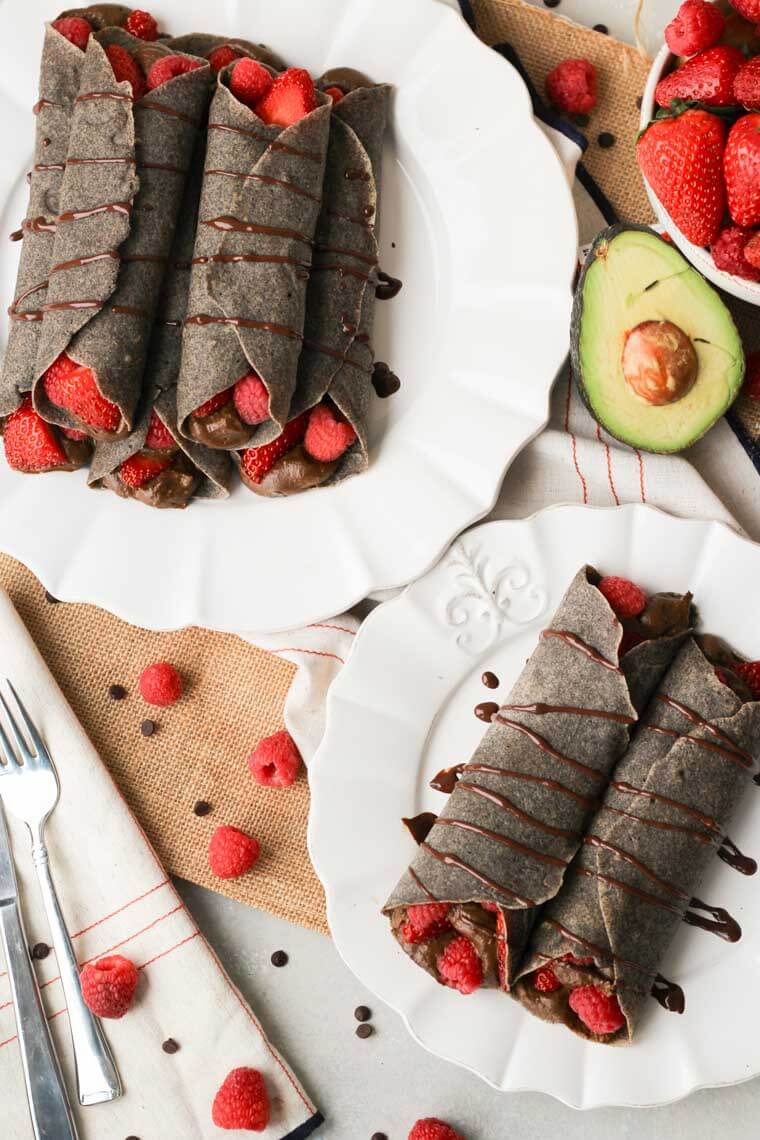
385, 1083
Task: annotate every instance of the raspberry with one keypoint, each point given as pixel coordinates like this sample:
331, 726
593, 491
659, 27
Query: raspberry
108, 985
626, 599
231, 852
74, 29
335, 93
545, 981
73, 434
749, 671
629, 641
598, 1011
327, 436
425, 921
249, 81
750, 9
275, 761
73, 387
220, 56
752, 248
140, 469
242, 1101
142, 25
160, 684
459, 966
30, 443
251, 399
432, 1129
169, 67
697, 25
571, 86
728, 252
258, 461
158, 435
752, 380
126, 68
214, 404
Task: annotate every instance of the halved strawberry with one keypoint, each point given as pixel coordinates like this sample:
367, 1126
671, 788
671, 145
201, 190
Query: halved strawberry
140, 469
291, 96
30, 443
158, 434
259, 461
213, 404
71, 386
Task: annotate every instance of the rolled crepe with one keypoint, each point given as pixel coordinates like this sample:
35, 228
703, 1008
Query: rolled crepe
192, 470
634, 879
259, 205
61, 68
518, 812
201, 44
112, 243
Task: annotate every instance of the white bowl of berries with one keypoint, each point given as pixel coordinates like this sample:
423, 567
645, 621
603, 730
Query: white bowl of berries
699, 147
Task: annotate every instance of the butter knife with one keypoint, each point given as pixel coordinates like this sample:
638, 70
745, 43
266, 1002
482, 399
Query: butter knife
48, 1101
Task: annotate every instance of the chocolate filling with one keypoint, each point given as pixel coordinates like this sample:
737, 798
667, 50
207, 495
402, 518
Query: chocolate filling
171, 488
222, 429
295, 471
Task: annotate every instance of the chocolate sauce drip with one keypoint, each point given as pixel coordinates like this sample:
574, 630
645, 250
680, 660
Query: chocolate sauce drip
17, 235
363, 221
388, 287
312, 156
163, 166
446, 780
355, 253
583, 647
544, 745
243, 322
255, 258
152, 258
39, 225
128, 311
668, 994
91, 96
629, 789
450, 860
343, 271
730, 853
107, 208
172, 324
416, 879
419, 826
384, 381
626, 857
490, 680
316, 346
76, 262
32, 315
150, 105
65, 306
38, 106
125, 160
503, 840
228, 224
544, 781
719, 921
13, 307
293, 187
486, 710
728, 753
41, 166
541, 709
733, 751
628, 888
345, 324
357, 175
507, 805
692, 832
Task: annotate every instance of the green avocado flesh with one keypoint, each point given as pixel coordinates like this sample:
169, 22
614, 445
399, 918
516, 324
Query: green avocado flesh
633, 276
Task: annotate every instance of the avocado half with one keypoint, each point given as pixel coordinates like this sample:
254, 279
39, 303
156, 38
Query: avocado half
632, 276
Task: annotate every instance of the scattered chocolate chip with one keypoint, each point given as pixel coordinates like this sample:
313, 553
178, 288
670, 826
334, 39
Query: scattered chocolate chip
202, 807
133, 1138
490, 680
602, 29
486, 710
379, 1136
40, 951
279, 958
552, 3
639, 101
117, 692
393, 245
606, 140
362, 1013
49, 598
148, 727
364, 1031
170, 1046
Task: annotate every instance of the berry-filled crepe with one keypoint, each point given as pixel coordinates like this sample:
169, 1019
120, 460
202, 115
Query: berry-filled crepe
335, 368
519, 808
155, 464
135, 122
34, 447
262, 188
595, 955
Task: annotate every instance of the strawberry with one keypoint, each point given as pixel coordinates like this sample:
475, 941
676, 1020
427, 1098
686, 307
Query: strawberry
30, 443
140, 469
747, 84
741, 168
707, 78
749, 671
71, 386
752, 251
158, 434
259, 461
290, 97
335, 93
213, 404
126, 68
250, 81
682, 159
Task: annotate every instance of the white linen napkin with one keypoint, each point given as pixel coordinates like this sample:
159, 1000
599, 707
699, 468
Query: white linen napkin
117, 898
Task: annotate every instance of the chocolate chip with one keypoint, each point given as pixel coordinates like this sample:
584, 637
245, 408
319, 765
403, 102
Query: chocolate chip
148, 727
117, 692
639, 101
393, 245
49, 598
364, 1031
362, 1013
40, 951
582, 119
279, 958
606, 140
379, 1136
602, 29
170, 1046
202, 807
552, 3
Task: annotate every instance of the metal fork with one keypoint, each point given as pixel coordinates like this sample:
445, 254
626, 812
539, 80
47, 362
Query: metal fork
30, 791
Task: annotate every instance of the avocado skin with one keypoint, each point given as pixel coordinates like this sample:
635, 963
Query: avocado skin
576, 320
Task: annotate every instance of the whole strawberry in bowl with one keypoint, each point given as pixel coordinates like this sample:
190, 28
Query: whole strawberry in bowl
699, 144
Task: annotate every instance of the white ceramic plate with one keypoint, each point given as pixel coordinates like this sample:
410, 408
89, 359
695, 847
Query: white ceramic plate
402, 709
478, 222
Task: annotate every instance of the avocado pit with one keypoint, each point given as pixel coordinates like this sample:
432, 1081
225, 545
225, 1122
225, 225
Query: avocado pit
659, 362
